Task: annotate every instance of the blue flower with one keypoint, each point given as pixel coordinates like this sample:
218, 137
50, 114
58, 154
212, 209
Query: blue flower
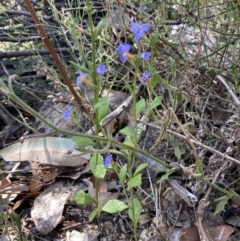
145, 55
123, 49
138, 29
145, 76
80, 77
67, 113
101, 69
107, 161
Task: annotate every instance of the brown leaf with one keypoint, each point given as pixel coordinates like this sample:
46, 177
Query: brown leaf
220, 233
11, 191
76, 173
35, 184
102, 196
19, 202
4, 183
48, 176
190, 234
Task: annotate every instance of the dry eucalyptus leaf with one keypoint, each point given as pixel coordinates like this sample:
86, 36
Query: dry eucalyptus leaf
76, 173
47, 210
47, 150
35, 184
190, 234
220, 233
11, 191
77, 236
5, 182
8, 237
102, 196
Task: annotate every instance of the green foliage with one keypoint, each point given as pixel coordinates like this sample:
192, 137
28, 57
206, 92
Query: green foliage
97, 166
140, 106
134, 211
128, 131
81, 141
140, 168
103, 107
222, 201
156, 102
122, 174
166, 175
83, 198
135, 181
177, 152
114, 206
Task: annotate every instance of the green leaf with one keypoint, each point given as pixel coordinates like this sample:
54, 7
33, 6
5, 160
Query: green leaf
222, 202
128, 131
140, 168
153, 39
221, 205
137, 62
114, 206
199, 167
129, 88
140, 106
102, 24
137, 207
163, 81
82, 141
93, 214
83, 69
156, 102
128, 142
135, 181
103, 107
95, 160
122, 174
166, 176
177, 152
154, 79
179, 97
83, 198
100, 171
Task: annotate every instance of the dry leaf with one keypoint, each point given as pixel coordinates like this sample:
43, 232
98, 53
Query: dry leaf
220, 233
19, 202
48, 150
102, 186
12, 190
103, 196
35, 184
48, 176
190, 234
47, 210
75, 174
5, 182
77, 236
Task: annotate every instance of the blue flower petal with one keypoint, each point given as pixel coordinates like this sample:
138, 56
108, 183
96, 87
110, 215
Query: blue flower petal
145, 76
101, 69
145, 55
123, 49
67, 113
107, 161
138, 29
80, 77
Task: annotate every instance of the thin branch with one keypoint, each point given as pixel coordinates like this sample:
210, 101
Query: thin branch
13, 54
